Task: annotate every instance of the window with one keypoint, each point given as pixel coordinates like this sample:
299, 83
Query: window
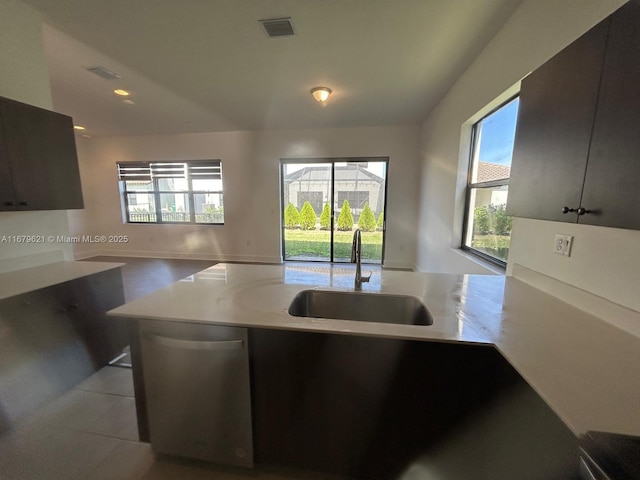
326, 184
172, 192
314, 198
356, 199
487, 229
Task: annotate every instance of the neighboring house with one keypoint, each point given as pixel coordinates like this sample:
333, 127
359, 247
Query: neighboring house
486, 173
353, 182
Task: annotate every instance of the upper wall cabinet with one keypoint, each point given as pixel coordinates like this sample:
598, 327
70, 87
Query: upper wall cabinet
612, 181
38, 160
577, 147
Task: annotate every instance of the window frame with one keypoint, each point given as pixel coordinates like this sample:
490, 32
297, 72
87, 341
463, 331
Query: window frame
189, 192
479, 185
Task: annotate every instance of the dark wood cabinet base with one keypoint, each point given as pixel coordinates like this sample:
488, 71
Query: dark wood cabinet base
373, 408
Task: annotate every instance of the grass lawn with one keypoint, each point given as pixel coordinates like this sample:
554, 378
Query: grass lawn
315, 243
494, 245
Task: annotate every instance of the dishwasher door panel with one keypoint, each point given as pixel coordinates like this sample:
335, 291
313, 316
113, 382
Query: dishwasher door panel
198, 391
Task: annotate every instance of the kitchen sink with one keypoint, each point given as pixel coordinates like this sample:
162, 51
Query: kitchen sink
364, 307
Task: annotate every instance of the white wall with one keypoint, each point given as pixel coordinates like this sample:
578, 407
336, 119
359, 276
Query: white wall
24, 77
535, 32
605, 261
251, 183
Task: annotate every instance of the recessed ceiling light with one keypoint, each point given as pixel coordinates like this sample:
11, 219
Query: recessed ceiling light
128, 101
78, 127
122, 93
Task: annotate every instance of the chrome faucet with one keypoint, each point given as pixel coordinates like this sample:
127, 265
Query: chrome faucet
356, 254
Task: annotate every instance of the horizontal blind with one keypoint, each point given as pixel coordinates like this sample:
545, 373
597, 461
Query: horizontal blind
205, 169
134, 171
196, 169
168, 170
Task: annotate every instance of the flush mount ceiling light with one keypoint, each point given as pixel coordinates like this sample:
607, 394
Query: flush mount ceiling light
321, 93
122, 93
78, 127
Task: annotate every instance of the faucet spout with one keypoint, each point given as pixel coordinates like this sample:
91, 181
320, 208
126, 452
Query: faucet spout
356, 257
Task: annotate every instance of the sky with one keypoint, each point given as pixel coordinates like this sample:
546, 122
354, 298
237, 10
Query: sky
498, 132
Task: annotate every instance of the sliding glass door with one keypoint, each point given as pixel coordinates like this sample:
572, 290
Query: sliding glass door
325, 201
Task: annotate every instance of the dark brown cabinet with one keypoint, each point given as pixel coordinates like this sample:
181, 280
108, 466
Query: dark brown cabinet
612, 180
38, 160
576, 148
53, 338
555, 118
377, 408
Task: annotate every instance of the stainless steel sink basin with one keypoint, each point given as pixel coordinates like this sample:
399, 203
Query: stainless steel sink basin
364, 307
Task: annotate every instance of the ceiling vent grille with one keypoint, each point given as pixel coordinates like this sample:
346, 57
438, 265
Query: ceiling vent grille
103, 72
278, 27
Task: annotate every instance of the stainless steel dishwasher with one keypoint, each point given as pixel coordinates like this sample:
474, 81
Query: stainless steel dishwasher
197, 386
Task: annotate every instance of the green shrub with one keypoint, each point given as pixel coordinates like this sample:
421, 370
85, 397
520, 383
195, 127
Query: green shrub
491, 219
291, 216
325, 218
380, 223
308, 217
481, 221
345, 219
367, 221
503, 222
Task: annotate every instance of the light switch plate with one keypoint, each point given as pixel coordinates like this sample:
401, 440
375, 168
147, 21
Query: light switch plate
562, 245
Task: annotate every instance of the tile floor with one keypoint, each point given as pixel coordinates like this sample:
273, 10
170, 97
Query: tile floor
90, 433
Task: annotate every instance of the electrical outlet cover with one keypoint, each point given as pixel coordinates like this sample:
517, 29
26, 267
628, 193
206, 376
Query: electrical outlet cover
562, 245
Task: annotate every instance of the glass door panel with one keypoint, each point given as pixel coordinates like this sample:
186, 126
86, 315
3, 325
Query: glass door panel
306, 210
359, 202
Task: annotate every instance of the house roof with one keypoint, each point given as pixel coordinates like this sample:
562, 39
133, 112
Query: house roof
492, 171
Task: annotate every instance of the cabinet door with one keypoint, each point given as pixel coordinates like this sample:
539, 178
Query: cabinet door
611, 187
87, 300
41, 354
555, 118
42, 157
7, 200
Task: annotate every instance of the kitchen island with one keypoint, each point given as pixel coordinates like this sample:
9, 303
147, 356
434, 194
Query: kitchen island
585, 369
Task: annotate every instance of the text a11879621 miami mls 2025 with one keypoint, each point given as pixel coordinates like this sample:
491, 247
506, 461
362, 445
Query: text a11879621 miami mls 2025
64, 239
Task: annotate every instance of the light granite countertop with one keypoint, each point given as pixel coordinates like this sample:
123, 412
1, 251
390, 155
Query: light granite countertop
586, 369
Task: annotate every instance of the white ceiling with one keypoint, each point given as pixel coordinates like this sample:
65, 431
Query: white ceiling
207, 65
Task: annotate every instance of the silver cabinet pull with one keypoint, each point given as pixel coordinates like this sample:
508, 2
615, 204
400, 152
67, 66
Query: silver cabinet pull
195, 344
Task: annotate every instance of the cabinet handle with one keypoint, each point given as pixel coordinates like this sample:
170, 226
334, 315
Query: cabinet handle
195, 344
9, 204
567, 210
582, 211
24, 204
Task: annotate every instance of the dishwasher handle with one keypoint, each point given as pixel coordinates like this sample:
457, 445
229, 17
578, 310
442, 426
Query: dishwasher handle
194, 344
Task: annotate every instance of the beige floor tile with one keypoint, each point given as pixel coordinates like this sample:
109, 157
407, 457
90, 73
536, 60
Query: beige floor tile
118, 422
128, 461
55, 455
78, 410
170, 468
112, 380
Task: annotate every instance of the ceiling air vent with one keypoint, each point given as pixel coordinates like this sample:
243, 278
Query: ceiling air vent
103, 72
278, 27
